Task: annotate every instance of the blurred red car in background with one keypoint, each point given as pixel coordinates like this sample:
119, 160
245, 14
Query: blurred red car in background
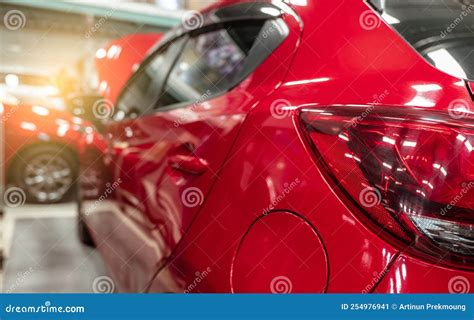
42, 145
297, 146
41, 151
29, 86
116, 62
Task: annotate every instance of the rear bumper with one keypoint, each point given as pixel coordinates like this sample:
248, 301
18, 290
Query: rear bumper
409, 275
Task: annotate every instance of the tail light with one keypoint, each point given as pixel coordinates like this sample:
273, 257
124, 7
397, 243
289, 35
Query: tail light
409, 173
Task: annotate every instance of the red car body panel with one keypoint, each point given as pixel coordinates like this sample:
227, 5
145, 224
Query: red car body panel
117, 61
24, 127
265, 171
265, 211
409, 275
209, 129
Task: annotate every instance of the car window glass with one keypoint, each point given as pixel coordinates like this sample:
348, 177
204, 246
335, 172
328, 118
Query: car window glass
144, 88
210, 63
441, 31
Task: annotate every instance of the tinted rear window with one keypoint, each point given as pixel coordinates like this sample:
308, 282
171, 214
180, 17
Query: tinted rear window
442, 31
210, 62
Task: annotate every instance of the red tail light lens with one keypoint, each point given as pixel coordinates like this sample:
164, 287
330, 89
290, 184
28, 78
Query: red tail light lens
410, 173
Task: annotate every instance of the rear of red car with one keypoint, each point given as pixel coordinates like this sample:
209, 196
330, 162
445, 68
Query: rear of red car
349, 168
394, 141
356, 174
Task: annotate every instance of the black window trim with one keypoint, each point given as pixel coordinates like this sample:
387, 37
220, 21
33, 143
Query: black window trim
240, 13
251, 64
419, 47
168, 66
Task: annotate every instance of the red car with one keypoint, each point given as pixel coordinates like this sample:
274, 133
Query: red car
119, 59
40, 153
42, 145
297, 146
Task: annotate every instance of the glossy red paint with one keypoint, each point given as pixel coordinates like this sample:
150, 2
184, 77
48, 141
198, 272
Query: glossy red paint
27, 125
268, 254
153, 238
35, 132
408, 275
116, 62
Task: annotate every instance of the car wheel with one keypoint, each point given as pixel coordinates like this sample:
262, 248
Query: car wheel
47, 173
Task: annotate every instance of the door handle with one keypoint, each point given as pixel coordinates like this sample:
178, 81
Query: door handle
188, 164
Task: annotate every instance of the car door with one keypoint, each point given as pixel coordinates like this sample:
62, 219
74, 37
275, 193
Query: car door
169, 157
193, 127
126, 138
196, 121
111, 216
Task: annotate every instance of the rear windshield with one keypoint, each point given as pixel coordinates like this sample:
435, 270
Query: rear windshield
442, 31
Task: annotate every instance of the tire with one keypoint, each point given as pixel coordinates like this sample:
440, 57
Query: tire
46, 173
83, 233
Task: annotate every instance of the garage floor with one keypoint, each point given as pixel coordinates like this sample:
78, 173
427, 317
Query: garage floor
43, 254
